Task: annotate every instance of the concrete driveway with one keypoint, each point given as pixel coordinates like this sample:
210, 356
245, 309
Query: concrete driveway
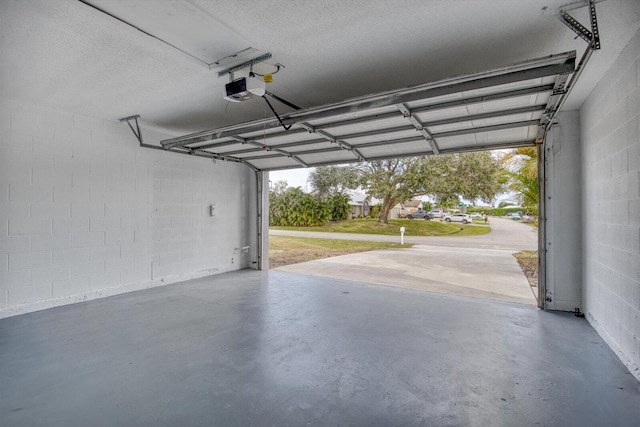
475, 266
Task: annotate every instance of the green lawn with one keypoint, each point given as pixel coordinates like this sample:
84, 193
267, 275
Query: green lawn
413, 227
289, 242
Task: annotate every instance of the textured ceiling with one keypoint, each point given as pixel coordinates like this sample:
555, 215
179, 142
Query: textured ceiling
69, 55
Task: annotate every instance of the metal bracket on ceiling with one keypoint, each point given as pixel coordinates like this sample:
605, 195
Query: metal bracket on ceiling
244, 65
181, 150
563, 88
137, 132
592, 37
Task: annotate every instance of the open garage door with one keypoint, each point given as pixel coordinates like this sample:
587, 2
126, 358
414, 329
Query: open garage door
503, 108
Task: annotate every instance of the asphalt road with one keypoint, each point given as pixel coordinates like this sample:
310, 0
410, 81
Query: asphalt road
475, 266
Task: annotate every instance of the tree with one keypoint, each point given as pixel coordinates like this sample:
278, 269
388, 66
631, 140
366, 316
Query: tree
471, 176
445, 177
279, 187
393, 181
329, 180
523, 160
527, 189
520, 169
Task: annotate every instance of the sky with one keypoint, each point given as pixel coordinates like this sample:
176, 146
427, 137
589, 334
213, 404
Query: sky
294, 177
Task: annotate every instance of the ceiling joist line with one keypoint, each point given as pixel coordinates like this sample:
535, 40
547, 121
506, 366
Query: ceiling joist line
183, 52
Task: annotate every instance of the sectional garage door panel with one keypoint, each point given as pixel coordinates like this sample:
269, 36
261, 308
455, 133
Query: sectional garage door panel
507, 107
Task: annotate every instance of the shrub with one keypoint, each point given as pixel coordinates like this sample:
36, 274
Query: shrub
339, 206
374, 211
294, 208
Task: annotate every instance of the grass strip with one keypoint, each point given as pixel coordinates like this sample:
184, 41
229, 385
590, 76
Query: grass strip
285, 250
413, 227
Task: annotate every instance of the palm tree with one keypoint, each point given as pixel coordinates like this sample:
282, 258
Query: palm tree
521, 170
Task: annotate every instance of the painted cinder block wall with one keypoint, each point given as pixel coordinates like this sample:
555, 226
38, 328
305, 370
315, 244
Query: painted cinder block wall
85, 212
610, 137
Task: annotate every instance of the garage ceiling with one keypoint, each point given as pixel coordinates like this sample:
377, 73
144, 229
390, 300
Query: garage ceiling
117, 58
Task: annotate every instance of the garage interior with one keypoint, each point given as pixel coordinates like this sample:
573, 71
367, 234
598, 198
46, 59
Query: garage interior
123, 168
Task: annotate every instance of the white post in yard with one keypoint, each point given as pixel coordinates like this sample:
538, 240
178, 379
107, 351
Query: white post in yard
402, 235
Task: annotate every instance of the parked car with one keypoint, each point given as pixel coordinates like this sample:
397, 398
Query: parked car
516, 216
475, 215
528, 218
463, 218
438, 214
419, 215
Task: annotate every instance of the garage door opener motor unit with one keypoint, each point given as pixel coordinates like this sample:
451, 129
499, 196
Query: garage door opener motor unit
244, 88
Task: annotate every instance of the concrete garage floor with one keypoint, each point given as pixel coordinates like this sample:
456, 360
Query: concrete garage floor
476, 266
275, 349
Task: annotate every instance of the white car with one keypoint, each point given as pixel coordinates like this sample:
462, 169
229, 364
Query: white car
475, 215
438, 214
463, 218
528, 218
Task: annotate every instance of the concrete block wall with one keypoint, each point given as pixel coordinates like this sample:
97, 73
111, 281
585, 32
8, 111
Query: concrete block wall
610, 133
85, 212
